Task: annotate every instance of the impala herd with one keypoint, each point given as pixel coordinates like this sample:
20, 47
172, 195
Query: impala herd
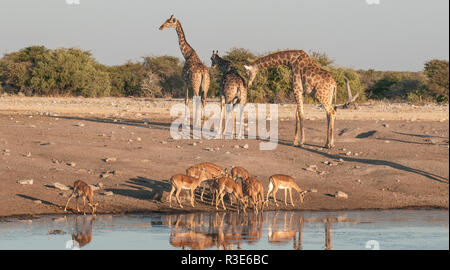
238, 184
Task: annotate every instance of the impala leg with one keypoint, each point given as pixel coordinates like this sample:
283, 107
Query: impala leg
290, 195
274, 195
192, 197
285, 196
71, 196
177, 195
218, 198
201, 195
221, 198
76, 203
170, 195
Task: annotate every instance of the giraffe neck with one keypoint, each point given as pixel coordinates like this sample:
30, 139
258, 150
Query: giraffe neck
279, 58
186, 49
224, 65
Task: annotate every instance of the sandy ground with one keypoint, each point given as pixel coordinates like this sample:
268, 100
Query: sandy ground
386, 155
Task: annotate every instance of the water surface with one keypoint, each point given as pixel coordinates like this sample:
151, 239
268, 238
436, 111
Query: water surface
390, 229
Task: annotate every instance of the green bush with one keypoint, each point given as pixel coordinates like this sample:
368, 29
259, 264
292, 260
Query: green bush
168, 69
69, 72
39, 71
126, 79
437, 72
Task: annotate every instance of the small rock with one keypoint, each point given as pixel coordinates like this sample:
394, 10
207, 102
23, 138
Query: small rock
138, 139
105, 175
385, 125
56, 161
25, 182
71, 164
311, 168
107, 193
112, 159
37, 201
178, 146
313, 190
341, 160
80, 125
163, 142
340, 194
348, 153
227, 152
28, 154
60, 186
245, 146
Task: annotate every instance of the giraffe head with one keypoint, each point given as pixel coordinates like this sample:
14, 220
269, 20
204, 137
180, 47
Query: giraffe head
169, 23
251, 74
214, 59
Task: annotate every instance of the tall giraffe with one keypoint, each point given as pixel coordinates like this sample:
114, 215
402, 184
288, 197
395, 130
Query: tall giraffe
195, 73
232, 87
306, 78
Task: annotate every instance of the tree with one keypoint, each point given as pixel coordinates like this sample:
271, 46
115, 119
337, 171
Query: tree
68, 72
437, 72
168, 69
150, 85
321, 59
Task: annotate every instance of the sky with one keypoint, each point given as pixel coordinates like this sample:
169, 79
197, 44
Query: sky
397, 35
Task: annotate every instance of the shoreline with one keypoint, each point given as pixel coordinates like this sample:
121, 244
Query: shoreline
197, 211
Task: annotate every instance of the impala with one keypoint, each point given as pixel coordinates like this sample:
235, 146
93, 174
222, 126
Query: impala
81, 189
281, 181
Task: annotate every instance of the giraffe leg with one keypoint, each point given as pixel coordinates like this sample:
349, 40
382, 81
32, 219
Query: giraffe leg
299, 131
196, 79
205, 86
222, 116
331, 115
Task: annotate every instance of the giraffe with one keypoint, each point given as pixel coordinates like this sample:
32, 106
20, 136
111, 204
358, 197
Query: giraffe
306, 78
232, 87
195, 73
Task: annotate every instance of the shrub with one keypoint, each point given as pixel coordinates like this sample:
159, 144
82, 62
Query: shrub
69, 72
437, 72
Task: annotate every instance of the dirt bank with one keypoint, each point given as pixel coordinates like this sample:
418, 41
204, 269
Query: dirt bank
386, 156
